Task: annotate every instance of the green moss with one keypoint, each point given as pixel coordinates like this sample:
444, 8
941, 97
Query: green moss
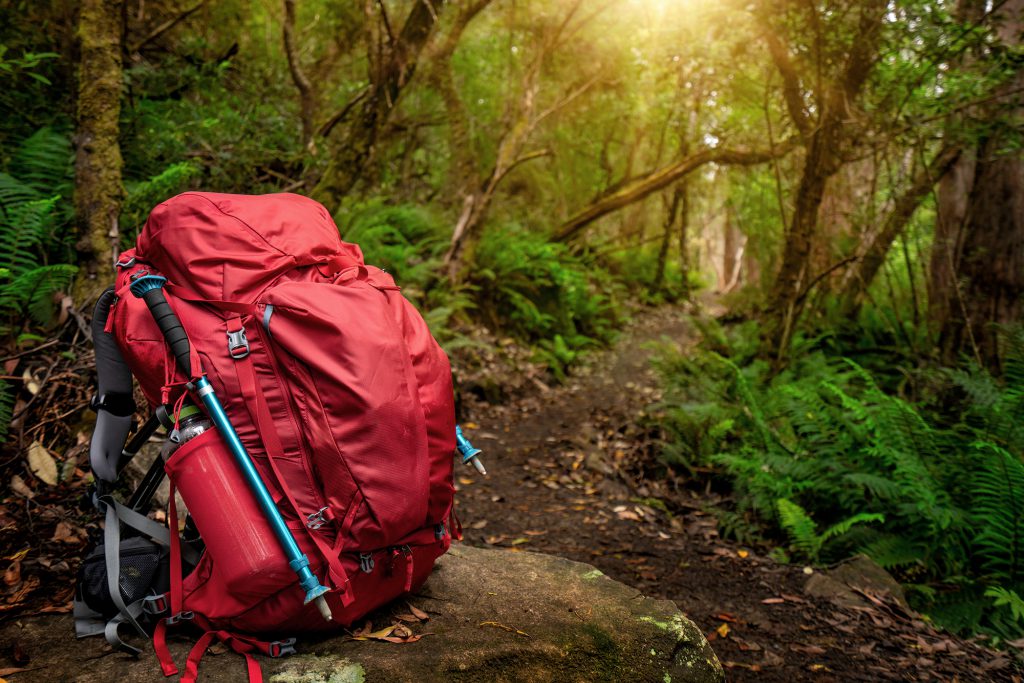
327, 670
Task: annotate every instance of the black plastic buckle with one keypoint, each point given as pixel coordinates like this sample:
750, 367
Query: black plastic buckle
121, 405
238, 345
366, 562
281, 648
155, 604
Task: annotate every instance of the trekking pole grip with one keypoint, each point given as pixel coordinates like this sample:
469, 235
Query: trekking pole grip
150, 288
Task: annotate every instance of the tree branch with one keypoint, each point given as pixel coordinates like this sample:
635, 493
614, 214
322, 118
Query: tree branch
166, 26
307, 100
661, 178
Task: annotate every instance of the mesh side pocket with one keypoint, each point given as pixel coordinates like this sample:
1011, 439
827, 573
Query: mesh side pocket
144, 571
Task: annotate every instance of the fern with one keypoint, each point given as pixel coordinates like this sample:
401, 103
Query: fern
34, 212
803, 532
998, 512
6, 409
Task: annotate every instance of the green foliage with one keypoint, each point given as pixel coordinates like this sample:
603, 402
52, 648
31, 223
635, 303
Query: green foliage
822, 446
34, 215
405, 240
803, 532
143, 195
541, 292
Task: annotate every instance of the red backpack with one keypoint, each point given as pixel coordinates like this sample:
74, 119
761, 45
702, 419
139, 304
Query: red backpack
335, 387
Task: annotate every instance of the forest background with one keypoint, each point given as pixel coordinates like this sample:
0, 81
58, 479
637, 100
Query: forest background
843, 179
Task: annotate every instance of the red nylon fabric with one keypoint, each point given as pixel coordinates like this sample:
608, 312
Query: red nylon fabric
358, 392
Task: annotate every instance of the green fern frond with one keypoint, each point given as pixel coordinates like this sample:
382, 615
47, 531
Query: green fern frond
998, 512
798, 525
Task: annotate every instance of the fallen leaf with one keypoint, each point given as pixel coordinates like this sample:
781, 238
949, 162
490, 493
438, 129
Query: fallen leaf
418, 613
743, 554
12, 577
30, 382
42, 463
773, 601
479, 524
376, 635
504, 627
723, 631
465, 481
521, 540
65, 533
19, 486
401, 631
409, 639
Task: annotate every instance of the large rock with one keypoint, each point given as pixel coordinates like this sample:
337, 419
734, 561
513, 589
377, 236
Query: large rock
495, 616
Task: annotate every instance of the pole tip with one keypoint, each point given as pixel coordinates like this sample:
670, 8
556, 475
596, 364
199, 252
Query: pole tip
325, 611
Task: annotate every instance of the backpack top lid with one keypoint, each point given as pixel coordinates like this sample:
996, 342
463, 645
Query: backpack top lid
230, 247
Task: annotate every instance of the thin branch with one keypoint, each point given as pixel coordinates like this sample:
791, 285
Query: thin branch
167, 26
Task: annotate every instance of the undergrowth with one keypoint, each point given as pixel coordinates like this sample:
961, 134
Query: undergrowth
830, 463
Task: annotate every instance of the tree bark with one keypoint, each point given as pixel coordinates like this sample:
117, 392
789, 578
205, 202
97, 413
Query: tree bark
991, 267
671, 217
389, 76
98, 189
895, 222
977, 279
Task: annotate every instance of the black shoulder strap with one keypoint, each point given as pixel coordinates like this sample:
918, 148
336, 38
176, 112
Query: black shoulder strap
113, 402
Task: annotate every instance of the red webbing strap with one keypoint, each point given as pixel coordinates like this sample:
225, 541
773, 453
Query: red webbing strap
347, 523
265, 425
410, 566
160, 647
243, 645
194, 657
177, 599
255, 673
454, 525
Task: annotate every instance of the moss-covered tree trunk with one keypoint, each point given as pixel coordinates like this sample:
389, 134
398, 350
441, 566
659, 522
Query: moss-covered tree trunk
98, 189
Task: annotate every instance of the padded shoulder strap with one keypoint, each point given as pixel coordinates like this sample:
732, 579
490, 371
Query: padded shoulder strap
113, 402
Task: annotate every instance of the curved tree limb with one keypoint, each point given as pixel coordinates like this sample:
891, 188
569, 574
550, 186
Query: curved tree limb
661, 178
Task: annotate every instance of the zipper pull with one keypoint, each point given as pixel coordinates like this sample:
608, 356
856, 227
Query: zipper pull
366, 562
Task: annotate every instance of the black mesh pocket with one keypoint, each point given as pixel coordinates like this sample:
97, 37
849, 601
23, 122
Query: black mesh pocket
144, 571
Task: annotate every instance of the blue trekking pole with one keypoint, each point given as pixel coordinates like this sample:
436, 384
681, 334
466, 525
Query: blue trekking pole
149, 288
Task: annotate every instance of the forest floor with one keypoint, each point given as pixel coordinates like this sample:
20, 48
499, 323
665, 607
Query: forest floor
556, 459
569, 475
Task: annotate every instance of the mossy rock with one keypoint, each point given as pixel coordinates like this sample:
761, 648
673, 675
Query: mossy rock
494, 616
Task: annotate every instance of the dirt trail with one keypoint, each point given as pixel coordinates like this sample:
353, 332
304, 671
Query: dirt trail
552, 488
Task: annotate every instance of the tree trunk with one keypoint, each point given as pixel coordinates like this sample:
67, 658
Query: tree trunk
991, 268
98, 189
388, 79
947, 245
683, 188
980, 232
671, 217
903, 210
307, 98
